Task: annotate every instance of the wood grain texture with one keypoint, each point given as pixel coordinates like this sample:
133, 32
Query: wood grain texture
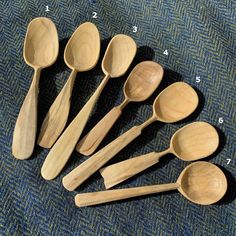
192, 142
140, 85
81, 54
77, 176
41, 48
200, 182
56, 118
62, 149
89, 199
121, 171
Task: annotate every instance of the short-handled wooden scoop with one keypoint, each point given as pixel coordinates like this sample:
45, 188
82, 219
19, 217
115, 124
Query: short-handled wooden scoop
200, 182
81, 54
174, 103
190, 143
141, 83
117, 59
41, 49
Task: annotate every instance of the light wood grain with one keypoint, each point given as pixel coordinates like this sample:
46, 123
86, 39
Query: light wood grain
121, 171
89, 199
81, 54
192, 142
200, 182
141, 83
89, 167
41, 48
61, 151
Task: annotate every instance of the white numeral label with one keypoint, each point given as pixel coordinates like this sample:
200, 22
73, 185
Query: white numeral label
135, 29
221, 120
165, 52
228, 161
47, 9
95, 15
198, 80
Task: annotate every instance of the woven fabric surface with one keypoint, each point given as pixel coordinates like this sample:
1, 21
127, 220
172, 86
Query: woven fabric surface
200, 38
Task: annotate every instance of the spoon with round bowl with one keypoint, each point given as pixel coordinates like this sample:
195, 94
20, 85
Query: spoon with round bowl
41, 49
200, 182
140, 85
81, 54
190, 143
174, 103
117, 59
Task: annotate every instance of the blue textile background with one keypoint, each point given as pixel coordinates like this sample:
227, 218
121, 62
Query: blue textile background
200, 37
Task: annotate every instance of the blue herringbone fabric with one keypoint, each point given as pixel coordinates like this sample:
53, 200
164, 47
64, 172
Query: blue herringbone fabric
200, 38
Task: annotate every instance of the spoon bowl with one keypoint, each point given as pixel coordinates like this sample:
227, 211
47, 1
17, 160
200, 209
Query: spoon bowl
41, 43
143, 81
195, 141
202, 183
119, 55
175, 103
83, 49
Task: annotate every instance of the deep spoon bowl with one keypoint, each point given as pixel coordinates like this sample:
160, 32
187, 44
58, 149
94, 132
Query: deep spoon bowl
202, 183
175, 103
194, 141
41, 44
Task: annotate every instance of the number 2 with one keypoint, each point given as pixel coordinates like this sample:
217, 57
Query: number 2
95, 15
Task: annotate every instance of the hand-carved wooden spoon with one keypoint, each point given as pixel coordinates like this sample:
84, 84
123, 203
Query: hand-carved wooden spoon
41, 48
141, 83
200, 182
117, 59
174, 103
81, 54
190, 143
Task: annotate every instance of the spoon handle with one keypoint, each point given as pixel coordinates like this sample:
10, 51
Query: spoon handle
26, 124
89, 199
77, 176
91, 141
64, 146
57, 115
121, 171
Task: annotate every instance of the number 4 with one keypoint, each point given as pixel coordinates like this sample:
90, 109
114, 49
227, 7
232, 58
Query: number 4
165, 52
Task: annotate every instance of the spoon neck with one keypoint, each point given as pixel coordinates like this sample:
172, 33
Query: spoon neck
148, 122
124, 103
37, 72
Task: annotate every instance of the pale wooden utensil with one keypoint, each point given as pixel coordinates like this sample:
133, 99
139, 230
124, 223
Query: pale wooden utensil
41, 49
190, 143
141, 83
174, 103
200, 182
81, 54
117, 59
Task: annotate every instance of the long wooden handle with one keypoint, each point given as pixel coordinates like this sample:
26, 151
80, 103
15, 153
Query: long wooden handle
77, 176
62, 149
91, 141
57, 116
121, 171
26, 124
89, 199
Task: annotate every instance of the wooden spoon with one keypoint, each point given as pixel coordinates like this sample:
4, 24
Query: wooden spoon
190, 143
41, 49
141, 83
81, 54
117, 59
200, 182
174, 103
